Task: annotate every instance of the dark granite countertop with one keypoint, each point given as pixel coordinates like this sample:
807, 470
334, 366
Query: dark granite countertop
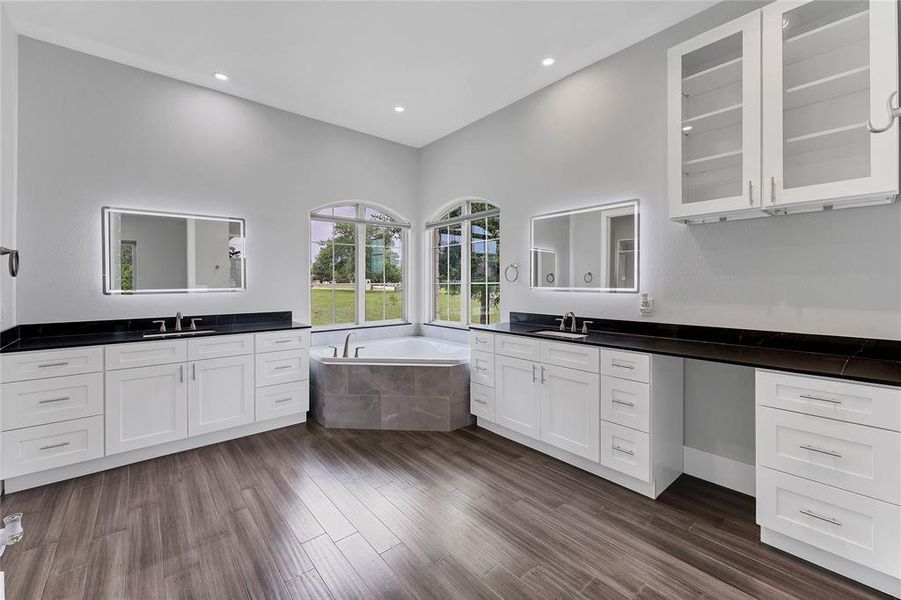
859, 359
56, 336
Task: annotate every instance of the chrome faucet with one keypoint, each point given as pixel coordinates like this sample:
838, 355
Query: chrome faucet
569, 315
178, 321
346, 353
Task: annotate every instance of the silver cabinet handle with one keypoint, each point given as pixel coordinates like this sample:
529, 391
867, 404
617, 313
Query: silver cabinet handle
279, 368
624, 451
773, 189
480, 401
56, 364
820, 450
181, 373
750, 193
194, 371
623, 402
280, 400
542, 373
49, 400
52, 446
622, 365
282, 341
810, 513
820, 398
534, 373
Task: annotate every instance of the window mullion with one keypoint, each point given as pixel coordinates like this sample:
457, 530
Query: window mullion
360, 272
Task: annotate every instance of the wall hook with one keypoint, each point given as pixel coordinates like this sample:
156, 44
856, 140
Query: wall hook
13, 260
894, 112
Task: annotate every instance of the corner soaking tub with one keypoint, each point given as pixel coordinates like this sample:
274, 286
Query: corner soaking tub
409, 383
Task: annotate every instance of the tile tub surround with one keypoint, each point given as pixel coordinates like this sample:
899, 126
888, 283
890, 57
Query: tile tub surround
396, 397
53, 336
860, 359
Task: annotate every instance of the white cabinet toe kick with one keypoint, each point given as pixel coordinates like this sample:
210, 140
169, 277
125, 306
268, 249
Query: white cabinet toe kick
66, 413
613, 413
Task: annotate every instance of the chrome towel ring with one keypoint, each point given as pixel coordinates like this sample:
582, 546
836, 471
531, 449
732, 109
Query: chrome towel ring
13, 260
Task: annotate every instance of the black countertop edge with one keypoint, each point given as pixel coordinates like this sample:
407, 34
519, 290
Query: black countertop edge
55, 336
809, 361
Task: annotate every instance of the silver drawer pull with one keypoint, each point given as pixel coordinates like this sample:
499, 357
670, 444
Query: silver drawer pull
52, 446
810, 513
282, 341
623, 402
56, 364
624, 451
622, 365
284, 367
280, 400
478, 368
820, 398
820, 450
49, 400
480, 401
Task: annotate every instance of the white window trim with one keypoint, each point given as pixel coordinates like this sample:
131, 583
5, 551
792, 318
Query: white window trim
465, 258
360, 263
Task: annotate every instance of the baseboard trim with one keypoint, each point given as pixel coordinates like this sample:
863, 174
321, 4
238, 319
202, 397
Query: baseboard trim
729, 473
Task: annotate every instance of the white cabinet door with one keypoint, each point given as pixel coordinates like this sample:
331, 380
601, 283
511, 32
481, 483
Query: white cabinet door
517, 395
145, 407
220, 394
713, 121
827, 68
570, 410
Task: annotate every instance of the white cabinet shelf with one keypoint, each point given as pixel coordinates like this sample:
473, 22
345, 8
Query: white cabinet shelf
826, 88
826, 37
712, 163
715, 119
837, 136
712, 78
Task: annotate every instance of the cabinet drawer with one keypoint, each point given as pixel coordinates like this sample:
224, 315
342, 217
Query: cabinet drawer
570, 355
281, 400
285, 366
34, 449
626, 450
481, 368
145, 354
289, 339
481, 340
874, 405
220, 346
626, 402
517, 347
19, 366
481, 401
628, 365
50, 400
849, 456
855, 527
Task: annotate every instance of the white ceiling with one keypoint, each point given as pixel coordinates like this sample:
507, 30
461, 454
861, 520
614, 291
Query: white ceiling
350, 63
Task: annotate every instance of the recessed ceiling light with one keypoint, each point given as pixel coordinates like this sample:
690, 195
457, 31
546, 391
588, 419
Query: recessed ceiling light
548, 61
399, 109
221, 76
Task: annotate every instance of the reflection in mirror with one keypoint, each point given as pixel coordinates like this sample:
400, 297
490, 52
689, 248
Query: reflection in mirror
588, 249
148, 252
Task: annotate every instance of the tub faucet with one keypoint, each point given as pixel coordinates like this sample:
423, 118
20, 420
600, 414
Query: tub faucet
346, 353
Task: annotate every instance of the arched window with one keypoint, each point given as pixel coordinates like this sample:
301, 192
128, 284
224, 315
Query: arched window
464, 258
357, 266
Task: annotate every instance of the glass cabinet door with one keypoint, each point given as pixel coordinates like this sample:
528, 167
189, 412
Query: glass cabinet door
828, 67
713, 120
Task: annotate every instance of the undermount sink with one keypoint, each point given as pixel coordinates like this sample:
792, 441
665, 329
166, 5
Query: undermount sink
561, 334
179, 333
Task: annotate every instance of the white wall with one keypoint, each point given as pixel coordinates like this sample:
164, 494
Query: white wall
599, 136
9, 81
95, 133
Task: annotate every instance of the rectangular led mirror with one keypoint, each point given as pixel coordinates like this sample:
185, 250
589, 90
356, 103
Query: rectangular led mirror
592, 249
148, 252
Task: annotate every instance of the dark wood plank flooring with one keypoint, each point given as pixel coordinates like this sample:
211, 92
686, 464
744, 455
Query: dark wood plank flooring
305, 512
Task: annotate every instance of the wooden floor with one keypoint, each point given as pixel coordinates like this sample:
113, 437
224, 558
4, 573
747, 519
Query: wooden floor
305, 512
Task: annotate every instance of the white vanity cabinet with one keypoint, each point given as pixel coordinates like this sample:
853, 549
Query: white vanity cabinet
617, 414
220, 394
828, 477
768, 114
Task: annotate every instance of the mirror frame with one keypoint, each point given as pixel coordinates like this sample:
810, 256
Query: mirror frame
635, 202
108, 211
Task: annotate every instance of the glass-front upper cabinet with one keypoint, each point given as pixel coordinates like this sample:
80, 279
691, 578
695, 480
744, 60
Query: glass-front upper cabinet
713, 120
828, 68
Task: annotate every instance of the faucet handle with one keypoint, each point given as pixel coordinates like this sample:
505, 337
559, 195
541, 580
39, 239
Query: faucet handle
357, 351
585, 326
562, 323
162, 323
335, 353
194, 323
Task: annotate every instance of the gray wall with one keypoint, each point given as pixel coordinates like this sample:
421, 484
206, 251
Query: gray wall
9, 79
599, 135
95, 133
161, 249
